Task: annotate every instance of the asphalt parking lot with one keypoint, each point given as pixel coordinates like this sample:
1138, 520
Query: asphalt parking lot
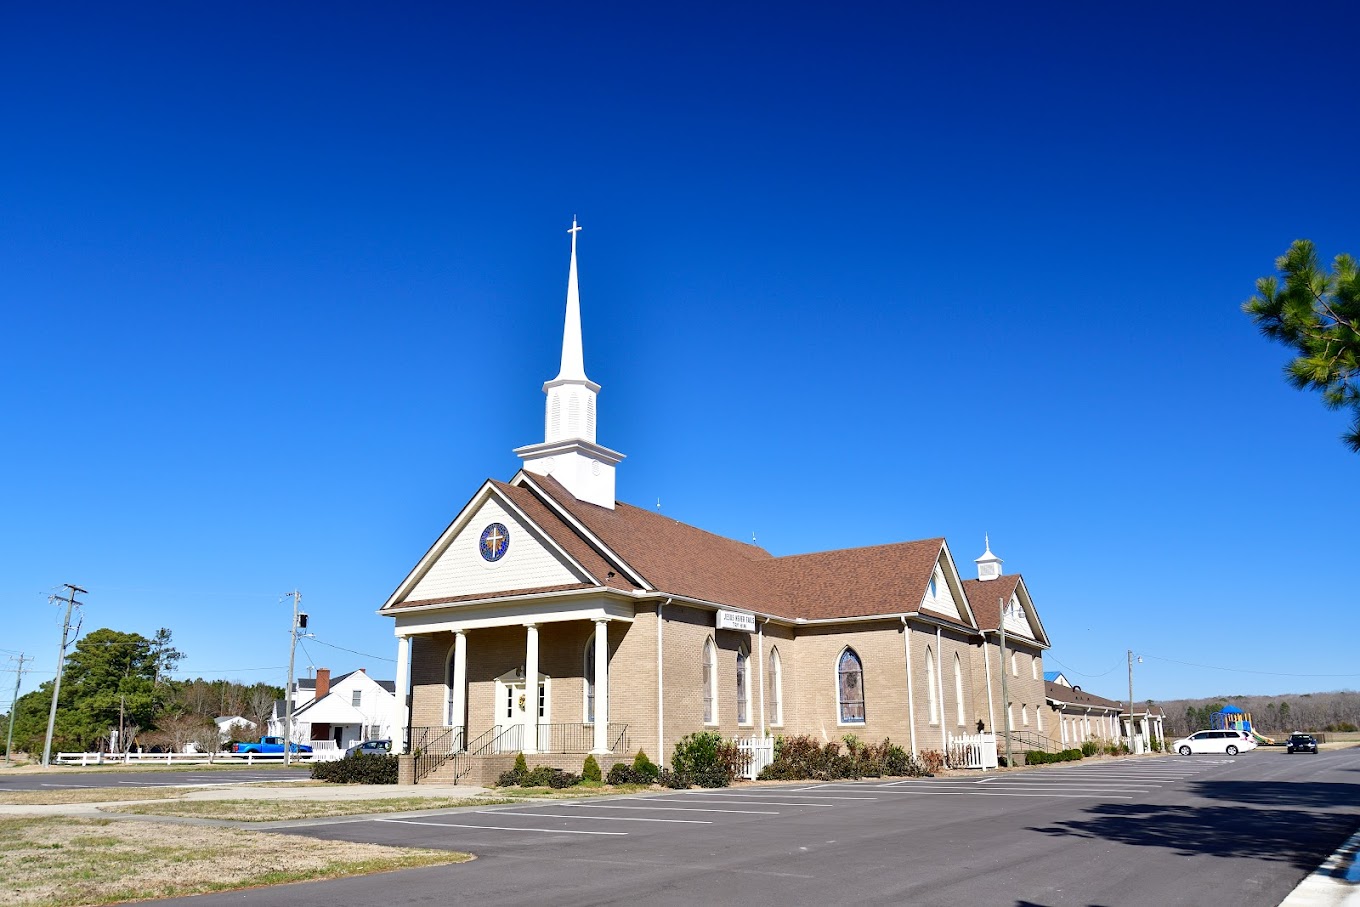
1172, 830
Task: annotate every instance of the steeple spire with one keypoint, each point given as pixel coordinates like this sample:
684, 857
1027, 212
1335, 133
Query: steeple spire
569, 452
573, 358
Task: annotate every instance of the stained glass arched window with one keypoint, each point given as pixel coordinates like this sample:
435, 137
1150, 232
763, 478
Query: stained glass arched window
930, 687
850, 687
743, 687
710, 684
776, 689
589, 671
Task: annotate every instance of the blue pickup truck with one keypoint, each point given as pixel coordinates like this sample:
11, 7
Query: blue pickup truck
267, 745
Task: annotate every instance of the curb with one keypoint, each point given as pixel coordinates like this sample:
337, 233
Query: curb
1333, 884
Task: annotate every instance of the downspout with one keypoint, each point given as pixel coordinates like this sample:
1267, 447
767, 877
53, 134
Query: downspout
760, 658
660, 686
911, 699
939, 688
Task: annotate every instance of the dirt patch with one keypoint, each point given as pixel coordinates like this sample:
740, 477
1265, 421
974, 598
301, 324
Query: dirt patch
61, 862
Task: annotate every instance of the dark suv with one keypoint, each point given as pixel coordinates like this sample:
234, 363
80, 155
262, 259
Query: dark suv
1301, 743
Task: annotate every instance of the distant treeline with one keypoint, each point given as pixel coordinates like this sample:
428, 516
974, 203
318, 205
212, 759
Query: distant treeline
1271, 715
117, 692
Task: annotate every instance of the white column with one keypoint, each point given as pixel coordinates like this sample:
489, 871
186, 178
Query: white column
458, 697
530, 742
761, 667
911, 694
601, 686
403, 685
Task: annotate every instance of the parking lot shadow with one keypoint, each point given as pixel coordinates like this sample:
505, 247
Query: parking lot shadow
1307, 794
1299, 838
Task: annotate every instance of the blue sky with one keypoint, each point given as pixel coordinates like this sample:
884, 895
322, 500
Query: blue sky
281, 286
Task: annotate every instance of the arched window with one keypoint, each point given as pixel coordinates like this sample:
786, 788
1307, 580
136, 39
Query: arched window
958, 689
710, 683
743, 687
1024, 715
930, 687
1034, 669
776, 684
1039, 717
850, 687
1015, 665
589, 671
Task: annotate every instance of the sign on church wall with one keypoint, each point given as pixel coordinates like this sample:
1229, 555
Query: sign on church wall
736, 620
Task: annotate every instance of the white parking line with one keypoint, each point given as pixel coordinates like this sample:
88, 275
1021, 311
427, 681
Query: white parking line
81, 786
993, 792
498, 812
549, 831
678, 809
774, 793
735, 800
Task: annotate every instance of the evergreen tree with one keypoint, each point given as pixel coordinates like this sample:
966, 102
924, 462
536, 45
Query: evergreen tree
1317, 314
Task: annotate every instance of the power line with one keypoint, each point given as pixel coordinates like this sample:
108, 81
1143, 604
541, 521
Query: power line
351, 651
1082, 673
1192, 664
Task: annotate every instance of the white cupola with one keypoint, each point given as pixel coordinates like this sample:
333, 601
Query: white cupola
989, 565
569, 453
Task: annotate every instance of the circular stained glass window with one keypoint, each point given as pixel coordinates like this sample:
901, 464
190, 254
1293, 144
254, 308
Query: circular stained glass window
495, 542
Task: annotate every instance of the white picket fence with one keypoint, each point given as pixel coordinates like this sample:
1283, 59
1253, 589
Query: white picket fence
755, 753
185, 758
973, 751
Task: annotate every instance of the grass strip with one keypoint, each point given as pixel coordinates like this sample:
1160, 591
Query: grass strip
89, 795
284, 810
64, 862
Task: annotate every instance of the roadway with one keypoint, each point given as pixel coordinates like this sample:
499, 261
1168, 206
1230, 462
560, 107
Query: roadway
75, 779
1171, 830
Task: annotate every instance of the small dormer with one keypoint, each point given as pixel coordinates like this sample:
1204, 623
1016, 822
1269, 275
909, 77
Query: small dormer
989, 565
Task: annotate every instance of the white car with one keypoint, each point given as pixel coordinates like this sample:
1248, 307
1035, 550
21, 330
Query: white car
1230, 742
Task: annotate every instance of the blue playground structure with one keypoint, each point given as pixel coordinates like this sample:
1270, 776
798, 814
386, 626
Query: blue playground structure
1231, 718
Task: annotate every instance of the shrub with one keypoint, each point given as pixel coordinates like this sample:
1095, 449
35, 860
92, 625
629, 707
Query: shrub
932, 761
645, 767
673, 780
1090, 748
803, 758
358, 769
547, 776
706, 759
521, 764
1039, 757
590, 771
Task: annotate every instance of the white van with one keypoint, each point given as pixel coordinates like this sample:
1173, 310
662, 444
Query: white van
1230, 742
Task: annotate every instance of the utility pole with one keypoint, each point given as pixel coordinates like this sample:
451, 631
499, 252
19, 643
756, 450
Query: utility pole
13, 706
296, 596
1131, 743
1005, 694
71, 603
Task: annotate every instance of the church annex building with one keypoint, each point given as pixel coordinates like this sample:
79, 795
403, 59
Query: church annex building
551, 619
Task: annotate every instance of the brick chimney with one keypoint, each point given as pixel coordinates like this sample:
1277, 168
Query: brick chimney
323, 682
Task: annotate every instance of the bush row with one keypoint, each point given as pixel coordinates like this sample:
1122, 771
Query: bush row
357, 769
1039, 757
804, 758
642, 771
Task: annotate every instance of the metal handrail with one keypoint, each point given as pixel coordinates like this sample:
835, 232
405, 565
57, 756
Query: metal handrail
618, 738
435, 746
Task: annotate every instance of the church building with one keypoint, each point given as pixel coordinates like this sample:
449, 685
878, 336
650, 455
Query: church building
549, 618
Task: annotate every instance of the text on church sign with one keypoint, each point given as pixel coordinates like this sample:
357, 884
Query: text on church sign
736, 620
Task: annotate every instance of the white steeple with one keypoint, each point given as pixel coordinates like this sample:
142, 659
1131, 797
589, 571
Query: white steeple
989, 565
569, 453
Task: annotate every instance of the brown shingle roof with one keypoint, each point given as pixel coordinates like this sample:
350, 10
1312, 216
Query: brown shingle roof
881, 579
985, 596
677, 558
1074, 696
673, 556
